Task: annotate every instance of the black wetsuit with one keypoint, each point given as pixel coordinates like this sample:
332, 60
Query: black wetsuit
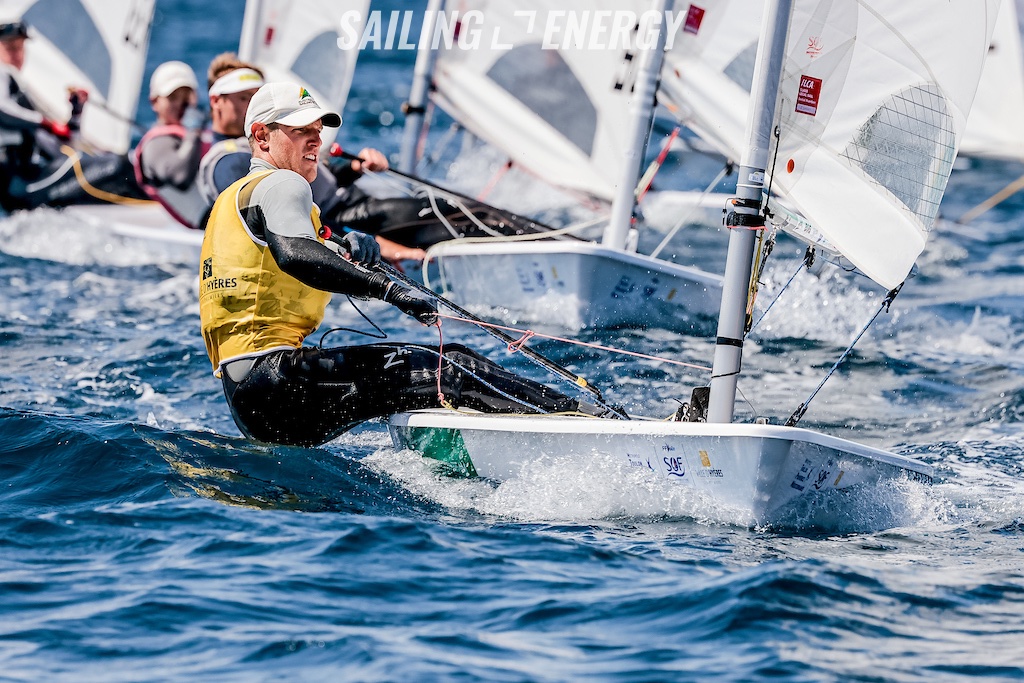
306, 395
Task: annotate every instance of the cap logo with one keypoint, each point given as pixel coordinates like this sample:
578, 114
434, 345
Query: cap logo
306, 98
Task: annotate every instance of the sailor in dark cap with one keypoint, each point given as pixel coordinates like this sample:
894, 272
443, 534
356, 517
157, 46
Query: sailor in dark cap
35, 150
20, 121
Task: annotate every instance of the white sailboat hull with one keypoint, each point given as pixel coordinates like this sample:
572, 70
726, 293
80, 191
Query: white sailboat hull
576, 285
145, 222
751, 474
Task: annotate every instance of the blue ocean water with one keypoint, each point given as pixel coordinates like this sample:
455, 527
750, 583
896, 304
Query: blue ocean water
142, 539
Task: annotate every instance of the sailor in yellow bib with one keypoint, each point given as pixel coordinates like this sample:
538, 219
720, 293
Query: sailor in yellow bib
267, 270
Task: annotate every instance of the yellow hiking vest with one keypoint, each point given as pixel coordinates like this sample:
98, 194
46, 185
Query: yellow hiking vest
247, 304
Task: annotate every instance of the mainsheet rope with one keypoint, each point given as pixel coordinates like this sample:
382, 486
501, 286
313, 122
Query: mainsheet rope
102, 195
528, 334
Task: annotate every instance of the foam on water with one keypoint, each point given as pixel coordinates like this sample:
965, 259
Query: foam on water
553, 489
59, 236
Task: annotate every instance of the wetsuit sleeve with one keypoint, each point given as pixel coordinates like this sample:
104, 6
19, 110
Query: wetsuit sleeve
13, 115
344, 175
169, 160
284, 201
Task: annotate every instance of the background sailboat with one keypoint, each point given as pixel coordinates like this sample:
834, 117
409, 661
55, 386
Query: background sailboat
98, 45
994, 128
871, 102
709, 71
104, 49
578, 118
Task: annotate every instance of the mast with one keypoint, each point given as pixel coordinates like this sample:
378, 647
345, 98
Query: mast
642, 111
750, 182
423, 73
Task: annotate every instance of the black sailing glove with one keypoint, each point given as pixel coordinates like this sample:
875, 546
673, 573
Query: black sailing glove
410, 304
362, 248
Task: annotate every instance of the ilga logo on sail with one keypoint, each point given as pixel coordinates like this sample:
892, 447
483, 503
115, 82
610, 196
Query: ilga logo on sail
212, 284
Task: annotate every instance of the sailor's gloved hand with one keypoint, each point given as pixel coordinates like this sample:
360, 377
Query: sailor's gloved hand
410, 304
77, 97
194, 119
60, 130
362, 248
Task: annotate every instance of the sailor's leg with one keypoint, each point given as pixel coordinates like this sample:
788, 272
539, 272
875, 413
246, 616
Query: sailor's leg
309, 395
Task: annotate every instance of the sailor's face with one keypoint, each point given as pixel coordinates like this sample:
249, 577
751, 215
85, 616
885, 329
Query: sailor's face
12, 51
229, 111
296, 149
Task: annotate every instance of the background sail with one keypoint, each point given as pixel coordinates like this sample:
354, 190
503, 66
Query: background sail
98, 45
996, 125
874, 99
708, 71
298, 40
562, 114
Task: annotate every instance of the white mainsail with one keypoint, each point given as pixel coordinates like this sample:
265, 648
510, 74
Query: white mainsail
560, 113
872, 105
98, 45
300, 40
995, 127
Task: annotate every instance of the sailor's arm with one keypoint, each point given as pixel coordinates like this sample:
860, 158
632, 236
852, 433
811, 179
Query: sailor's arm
290, 236
370, 159
12, 114
169, 160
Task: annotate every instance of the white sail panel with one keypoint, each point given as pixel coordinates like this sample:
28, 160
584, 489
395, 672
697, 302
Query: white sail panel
562, 114
708, 70
98, 45
874, 100
995, 127
298, 40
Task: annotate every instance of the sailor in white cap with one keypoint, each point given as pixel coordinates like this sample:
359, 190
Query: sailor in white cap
167, 158
232, 83
268, 267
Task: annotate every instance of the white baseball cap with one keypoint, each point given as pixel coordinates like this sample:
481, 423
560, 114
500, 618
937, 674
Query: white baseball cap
170, 76
289, 104
238, 80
